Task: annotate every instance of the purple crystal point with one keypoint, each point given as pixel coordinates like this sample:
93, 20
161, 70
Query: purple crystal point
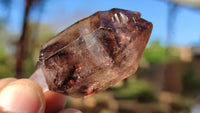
95, 53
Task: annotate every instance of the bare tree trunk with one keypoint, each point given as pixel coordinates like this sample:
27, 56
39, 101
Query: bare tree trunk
22, 44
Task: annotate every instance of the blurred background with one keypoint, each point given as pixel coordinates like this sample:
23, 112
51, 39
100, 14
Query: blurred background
168, 78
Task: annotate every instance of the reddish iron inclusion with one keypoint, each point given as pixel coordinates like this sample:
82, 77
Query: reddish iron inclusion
95, 53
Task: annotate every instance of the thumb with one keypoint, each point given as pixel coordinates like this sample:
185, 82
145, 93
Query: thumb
22, 96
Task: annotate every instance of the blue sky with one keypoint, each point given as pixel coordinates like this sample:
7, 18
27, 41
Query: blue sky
62, 13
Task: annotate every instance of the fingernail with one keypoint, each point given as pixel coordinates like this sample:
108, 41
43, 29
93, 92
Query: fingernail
70, 110
20, 98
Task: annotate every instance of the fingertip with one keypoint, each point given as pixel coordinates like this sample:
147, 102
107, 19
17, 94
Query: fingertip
6, 81
23, 96
54, 101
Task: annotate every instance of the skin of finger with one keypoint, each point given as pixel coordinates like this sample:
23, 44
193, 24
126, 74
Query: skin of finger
54, 102
38, 89
32, 85
5, 82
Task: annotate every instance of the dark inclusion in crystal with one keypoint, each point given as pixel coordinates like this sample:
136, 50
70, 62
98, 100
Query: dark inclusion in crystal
95, 53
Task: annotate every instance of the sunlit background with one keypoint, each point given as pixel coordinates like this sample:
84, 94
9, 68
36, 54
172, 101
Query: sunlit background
168, 78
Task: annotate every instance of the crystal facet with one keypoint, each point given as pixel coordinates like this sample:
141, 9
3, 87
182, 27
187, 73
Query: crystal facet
95, 53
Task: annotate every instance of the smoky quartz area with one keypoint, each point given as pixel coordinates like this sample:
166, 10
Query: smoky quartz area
95, 53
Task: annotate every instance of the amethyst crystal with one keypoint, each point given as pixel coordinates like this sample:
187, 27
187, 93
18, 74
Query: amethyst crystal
94, 53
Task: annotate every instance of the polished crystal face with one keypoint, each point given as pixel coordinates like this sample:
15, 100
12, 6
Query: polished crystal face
95, 53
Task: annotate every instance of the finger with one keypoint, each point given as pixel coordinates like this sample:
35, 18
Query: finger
70, 111
22, 96
3, 83
54, 102
6, 81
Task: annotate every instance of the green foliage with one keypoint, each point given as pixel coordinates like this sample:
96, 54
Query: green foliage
155, 53
7, 61
29, 65
138, 90
5, 65
0, 25
158, 54
2, 56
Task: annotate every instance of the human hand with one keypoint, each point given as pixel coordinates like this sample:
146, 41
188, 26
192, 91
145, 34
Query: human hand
26, 96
